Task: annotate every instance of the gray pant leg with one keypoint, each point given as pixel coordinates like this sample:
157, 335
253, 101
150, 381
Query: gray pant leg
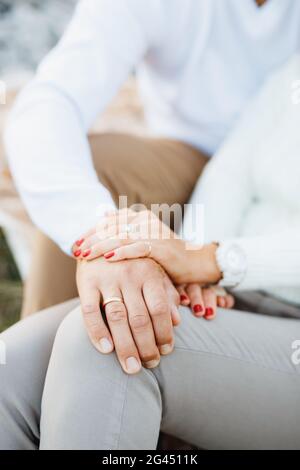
28, 347
230, 384
90, 403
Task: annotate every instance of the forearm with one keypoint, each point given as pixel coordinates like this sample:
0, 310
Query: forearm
46, 138
52, 166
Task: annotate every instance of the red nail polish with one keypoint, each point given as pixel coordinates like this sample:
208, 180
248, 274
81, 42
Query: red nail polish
109, 255
77, 253
79, 242
183, 298
86, 253
198, 308
209, 312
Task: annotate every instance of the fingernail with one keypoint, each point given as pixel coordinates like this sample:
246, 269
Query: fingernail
132, 365
152, 364
77, 253
198, 308
79, 242
166, 349
183, 298
86, 253
209, 312
109, 255
105, 346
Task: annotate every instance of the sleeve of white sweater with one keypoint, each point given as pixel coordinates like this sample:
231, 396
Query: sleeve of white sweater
46, 135
226, 191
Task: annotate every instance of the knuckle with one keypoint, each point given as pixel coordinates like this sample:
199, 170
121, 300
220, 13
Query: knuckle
160, 308
139, 322
90, 309
116, 314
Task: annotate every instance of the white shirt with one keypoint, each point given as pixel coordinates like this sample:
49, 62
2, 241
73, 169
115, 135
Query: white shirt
198, 64
251, 188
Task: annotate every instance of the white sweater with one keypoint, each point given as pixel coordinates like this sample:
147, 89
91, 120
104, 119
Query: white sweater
251, 188
198, 62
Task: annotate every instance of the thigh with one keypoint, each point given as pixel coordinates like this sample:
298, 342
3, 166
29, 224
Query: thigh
51, 280
231, 383
28, 346
146, 170
89, 403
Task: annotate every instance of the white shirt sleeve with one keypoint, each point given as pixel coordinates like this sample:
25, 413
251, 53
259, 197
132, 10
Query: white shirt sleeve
46, 134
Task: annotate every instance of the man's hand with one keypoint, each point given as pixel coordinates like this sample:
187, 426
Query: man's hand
141, 328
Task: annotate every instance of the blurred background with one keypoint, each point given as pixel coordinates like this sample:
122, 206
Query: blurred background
28, 30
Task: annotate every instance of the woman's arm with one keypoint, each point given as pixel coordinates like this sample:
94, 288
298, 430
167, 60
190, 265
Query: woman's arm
272, 260
46, 136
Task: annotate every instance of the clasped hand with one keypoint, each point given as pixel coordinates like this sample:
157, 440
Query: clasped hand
136, 258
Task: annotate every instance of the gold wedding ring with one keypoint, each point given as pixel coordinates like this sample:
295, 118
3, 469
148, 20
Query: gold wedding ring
112, 299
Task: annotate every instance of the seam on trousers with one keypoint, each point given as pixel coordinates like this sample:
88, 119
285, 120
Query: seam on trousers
246, 361
121, 419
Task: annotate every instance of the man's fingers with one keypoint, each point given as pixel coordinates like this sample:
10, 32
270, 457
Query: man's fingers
194, 292
210, 301
141, 328
158, 305
117, 319
95, 325
174, 300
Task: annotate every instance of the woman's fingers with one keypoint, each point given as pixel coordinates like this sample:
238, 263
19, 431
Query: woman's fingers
134, 250
210, 302
117, 319
229, 301
194, 292
95, 325
184, 298
221, 302
104, 247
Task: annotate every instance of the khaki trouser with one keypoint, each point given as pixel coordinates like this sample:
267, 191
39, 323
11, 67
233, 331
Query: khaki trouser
147, 171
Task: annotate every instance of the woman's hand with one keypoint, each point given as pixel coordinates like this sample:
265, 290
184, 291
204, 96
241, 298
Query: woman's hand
204, 301
127, 235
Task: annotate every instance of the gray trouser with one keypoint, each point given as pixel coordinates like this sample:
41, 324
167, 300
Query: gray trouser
230, 384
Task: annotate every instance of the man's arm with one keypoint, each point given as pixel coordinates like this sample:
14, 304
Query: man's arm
46, 136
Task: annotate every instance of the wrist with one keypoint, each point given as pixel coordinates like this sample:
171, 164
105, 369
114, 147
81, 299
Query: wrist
206, 269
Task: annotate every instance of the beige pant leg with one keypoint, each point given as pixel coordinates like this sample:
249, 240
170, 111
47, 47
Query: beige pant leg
148, 171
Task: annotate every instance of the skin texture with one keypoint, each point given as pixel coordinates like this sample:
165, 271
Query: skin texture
167, 249
140, 328
183, 263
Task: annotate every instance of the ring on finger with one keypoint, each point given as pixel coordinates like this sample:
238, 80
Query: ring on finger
112, 299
